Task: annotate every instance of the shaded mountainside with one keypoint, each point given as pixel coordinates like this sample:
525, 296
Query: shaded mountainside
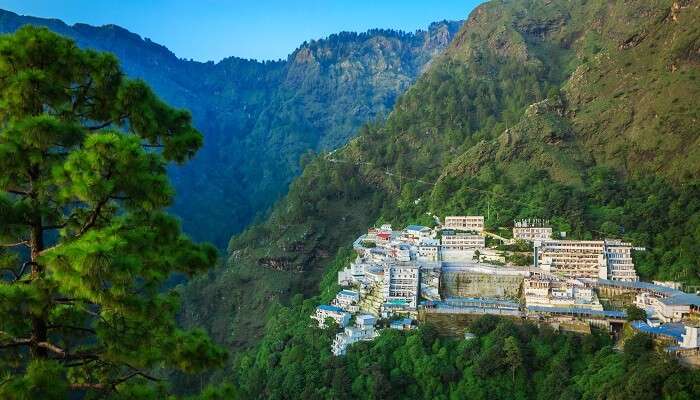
581, 112
259, 118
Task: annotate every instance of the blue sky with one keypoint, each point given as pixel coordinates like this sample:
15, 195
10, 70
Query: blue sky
261, 29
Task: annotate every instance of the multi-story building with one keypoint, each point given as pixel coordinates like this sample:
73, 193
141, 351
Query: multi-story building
340, 316
415, 233
401, 283
618, 255
602, 259
465, 223
674, 308
462, 241
691, 337
362, 330
531, 230
400, 251
347, 300
428, 249
546, 291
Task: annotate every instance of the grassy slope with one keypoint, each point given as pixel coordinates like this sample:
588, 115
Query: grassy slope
524, 117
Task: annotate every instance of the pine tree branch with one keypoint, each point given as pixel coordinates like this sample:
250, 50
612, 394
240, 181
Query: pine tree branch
83, 386
92, 220
113, 385
74, 328
98, 127
16, 191
57, 226
23, 242
133, 375
14, 342
18, 275
106, 124
53, 348
156, 146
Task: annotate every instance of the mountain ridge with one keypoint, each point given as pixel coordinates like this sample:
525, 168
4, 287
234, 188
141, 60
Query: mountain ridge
482, 130
275, 110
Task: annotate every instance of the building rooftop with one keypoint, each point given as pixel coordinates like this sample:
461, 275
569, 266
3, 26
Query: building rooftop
578, 311
349, 292
674, 331
637, 285
418, 228
365, 319
682, 299
327, 307
401, 322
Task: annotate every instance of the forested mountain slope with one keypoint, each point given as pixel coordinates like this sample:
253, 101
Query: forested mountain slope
259, 118
581, 112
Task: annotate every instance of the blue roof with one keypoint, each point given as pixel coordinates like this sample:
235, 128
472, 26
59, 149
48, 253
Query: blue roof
469, 301
416, 228
674, 331
349, 292
401, 322
326, 307
641, 285
579, 311
682, 299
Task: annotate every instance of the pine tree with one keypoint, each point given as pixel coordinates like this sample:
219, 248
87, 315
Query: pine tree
85, 244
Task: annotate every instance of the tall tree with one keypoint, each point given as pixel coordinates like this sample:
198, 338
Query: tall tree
85, 243
513, 356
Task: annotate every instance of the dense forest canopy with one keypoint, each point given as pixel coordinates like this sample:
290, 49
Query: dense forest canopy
507, 360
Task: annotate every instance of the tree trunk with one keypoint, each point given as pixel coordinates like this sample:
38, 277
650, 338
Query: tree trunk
39, 322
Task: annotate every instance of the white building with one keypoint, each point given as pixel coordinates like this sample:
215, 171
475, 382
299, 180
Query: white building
347, 300
403, 324
340, 316
608, 259
400, 251
462, 241
618, 255
417, 232
531, 230
691, 337
674, 308
362, 330
428, 249
465, 223
553, 292
401, 283
354, 274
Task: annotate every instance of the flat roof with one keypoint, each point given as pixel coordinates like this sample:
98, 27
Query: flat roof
349, 292
682, 299
579, 311
637, 285
417, 228
468, 301
327, 307
364, 317
674, 331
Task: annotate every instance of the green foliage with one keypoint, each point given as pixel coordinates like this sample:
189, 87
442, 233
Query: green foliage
635, 313
87, 246
507, 360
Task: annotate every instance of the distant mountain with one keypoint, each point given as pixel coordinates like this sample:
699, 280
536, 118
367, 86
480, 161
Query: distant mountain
259, 118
